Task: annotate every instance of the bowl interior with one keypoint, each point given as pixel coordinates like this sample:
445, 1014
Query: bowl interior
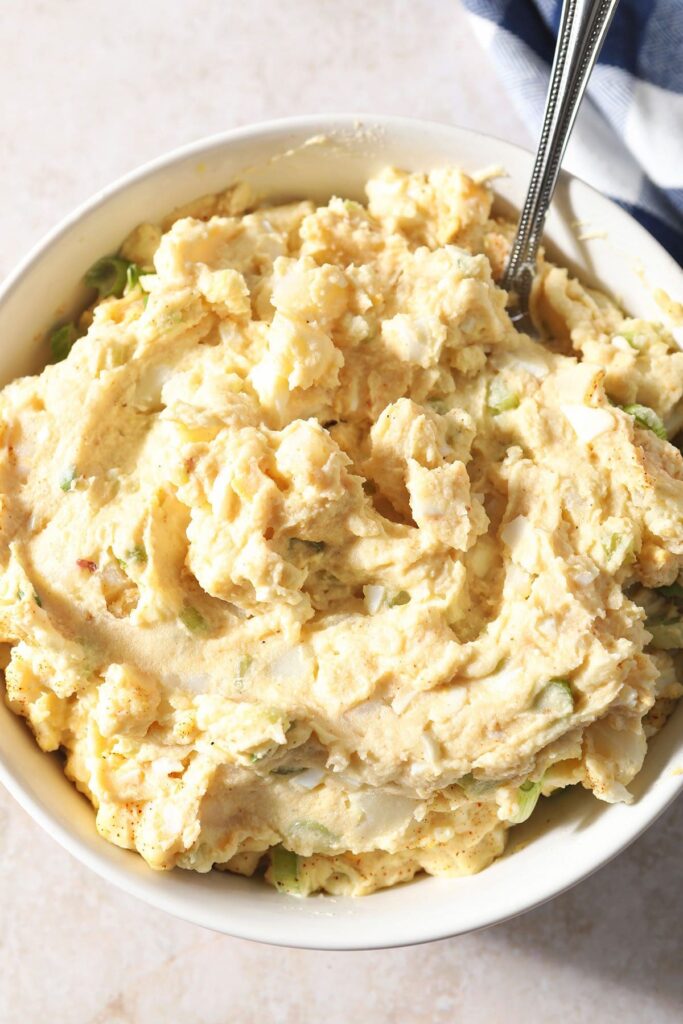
317, 157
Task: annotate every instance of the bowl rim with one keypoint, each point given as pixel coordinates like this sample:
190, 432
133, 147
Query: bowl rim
280, 931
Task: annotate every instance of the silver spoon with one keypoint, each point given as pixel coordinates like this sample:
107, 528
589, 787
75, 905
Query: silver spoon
583, 28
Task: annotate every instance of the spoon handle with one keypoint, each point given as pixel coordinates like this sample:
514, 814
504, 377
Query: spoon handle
583, 27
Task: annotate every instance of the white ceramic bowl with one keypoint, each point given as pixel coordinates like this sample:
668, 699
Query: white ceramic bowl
573, 834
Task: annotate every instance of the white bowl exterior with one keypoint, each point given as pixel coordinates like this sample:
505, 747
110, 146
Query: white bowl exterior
572, 834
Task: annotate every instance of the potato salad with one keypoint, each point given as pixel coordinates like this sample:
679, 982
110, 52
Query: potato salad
313, 567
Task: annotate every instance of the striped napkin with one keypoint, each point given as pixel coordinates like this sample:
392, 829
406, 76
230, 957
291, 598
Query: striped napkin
628, 139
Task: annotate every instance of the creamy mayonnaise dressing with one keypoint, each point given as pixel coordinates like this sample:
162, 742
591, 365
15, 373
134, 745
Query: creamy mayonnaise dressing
310, 559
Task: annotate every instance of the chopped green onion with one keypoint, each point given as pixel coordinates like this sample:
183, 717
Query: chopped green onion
261, 755
132, 277
646, 418
284, 869
274, 715
476, 787
629, 337
674, 591
108, 276
527, 798
308, 830
243, 666
61, 341
173, 317
619, 548
69, 478
403, 597
353, 206
133, 274
556, 696
285, 770
612, 544
37, 599
312, 545
192, 619
500, 398
666, 636
137, 554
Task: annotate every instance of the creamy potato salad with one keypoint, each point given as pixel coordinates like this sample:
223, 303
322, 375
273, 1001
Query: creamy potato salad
312, 565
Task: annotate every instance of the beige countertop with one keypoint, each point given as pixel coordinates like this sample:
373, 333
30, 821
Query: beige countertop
90, 90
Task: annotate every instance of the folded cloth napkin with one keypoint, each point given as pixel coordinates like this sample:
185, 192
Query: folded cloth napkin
628, 138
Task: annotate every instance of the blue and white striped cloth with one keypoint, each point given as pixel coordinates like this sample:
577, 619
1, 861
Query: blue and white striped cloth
628, 139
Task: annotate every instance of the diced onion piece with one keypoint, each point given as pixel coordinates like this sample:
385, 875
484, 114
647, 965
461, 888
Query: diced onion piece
588, 422
380, 813
309, 779
431, 747
350, 781
536, 366
516, 531
522, 539
548, 627
288, 665
500, 683
374, 597
149, 386
584, 572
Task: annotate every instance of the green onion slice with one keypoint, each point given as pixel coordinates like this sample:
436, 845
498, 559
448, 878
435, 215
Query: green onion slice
192, 619
646, 418
527, 798
476, 787
500, 398
556, 696
61, 341
68, 479
673, 591
109, 276
313, 831
284, 869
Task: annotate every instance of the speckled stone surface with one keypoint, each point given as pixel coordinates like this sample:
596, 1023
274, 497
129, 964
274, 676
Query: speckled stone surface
88, 91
